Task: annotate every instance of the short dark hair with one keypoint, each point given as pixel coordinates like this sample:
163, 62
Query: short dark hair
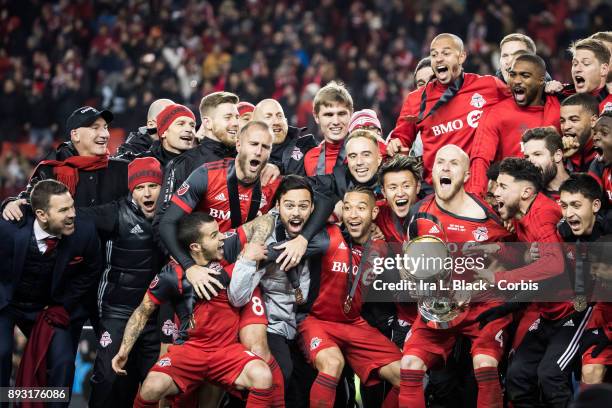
522, 170
292, 182
532, 59
597, 47
424, 63
548, 134
363, 190
586, 100
42, 192
606, 114
188, 229
584, 184
401, 162
493, 171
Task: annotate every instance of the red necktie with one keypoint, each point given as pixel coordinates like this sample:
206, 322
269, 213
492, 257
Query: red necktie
51, 243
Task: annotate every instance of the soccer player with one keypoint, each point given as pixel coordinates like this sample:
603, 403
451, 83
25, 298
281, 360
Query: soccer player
509, 47
207, 346
447, 110
578, 115
332, 108
333, 329
590, 66
544, 342
583, 222
400, 179
601, 168
465, 218
543, 147
289, 146
501, 127
606, 38
423, 73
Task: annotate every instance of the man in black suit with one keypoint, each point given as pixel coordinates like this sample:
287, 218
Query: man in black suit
49, 261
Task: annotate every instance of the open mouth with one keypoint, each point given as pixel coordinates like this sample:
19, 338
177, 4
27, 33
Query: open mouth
336, 130
69, 223
519, 94
445, 182
232, 133
148, 205
277, 130
254, 164
579, 81
500, 204
187, 138
102, 142
574, 224
296, 223
442, 71
401, 203
353, 225
362, 171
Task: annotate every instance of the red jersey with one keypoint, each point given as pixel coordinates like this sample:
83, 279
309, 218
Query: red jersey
540, 225
393, 228
605, 99
499, 135
339, 258
455, 122
582, 159
603, 175
209, 189
314, 165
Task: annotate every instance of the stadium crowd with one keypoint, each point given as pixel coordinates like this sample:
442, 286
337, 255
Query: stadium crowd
224, 250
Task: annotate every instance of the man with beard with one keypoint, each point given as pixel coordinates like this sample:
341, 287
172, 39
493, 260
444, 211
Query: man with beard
500, 129
289, 147
543, 147
601, 168
590, 67
333, 329
133, 259
49, 262
141, 141
546, 334
447, 110
460, 217
578, 115
583, 223
332, 109
82, 164
207, 346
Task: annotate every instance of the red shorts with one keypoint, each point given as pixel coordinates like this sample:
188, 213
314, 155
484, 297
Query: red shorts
365, 348
189, 365
430, 344
253, 312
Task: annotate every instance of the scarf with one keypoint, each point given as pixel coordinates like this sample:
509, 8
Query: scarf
67, 171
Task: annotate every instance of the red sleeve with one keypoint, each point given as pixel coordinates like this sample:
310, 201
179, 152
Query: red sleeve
405, 129
484, 148
499, 90
310, 160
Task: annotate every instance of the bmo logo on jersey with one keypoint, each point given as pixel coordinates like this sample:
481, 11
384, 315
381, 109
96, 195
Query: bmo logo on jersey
219, 214
472, 120
344, 268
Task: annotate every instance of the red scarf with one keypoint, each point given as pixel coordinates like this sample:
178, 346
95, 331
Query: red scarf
33, 367
67, 171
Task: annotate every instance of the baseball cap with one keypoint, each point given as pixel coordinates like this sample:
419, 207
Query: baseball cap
85, 116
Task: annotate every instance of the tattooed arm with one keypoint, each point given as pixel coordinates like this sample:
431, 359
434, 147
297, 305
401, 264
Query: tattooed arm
134, 327
259, 229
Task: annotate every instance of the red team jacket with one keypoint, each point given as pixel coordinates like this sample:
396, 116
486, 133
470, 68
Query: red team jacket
206, 190
453, 123
499, 135
332, 151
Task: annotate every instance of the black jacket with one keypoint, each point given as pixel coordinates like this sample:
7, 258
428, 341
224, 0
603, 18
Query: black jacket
335, 185
132, 258
136, 143
94, 187
156, 151
77, 265
289, 155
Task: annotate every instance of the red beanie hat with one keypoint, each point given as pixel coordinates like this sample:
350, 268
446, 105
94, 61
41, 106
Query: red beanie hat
362, 118
167, 116
244, 107
144, 170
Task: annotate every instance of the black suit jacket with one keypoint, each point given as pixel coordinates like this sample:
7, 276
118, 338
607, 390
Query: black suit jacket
77, 266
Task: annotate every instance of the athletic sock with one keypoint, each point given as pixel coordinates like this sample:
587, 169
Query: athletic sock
260, 397
323, 391
141, 403
278, 384
411, 394
489, 390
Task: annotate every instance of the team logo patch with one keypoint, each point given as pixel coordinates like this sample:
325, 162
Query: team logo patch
434, 230
473, 117
534, 325
478, 101
315, 342
183, 188
154, 282
164, 362
481, 234
297, 154
169, 328
105, 339
607, 107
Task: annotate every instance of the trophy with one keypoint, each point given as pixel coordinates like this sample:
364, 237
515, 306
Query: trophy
440, 306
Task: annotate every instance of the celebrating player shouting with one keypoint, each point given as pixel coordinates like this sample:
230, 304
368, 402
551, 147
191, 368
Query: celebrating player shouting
446, 110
